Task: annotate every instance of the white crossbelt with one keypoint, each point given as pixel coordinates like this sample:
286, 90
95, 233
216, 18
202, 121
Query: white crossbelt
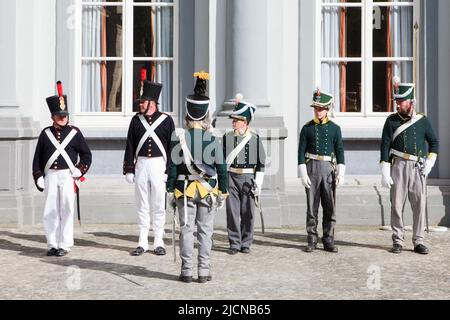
318, 158
60, 150
405, 156
242, 170
151, 132
405, 126
188, 162
233, 154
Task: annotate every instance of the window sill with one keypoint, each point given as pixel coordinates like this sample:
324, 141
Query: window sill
105, 126
361, 128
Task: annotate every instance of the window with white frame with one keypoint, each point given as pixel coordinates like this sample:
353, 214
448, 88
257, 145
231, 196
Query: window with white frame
116, 39
364, 44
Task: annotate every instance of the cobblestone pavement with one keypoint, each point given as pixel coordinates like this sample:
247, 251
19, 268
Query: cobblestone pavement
100, 267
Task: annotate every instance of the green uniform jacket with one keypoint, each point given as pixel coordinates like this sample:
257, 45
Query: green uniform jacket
323, 139
205, 148
411, 141
252, 156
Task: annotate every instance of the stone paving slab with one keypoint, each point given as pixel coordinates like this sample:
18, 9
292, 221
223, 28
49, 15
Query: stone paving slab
100, 267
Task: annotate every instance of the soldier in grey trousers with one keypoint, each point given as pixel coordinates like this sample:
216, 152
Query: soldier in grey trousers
409, 183
199, 212
322, 190
240, 211
197, 182
245, 158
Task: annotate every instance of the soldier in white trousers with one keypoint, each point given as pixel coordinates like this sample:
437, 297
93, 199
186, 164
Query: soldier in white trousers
54, 170
146, 159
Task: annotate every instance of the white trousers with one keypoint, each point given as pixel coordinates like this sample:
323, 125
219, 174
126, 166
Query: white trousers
59, 209
150, 188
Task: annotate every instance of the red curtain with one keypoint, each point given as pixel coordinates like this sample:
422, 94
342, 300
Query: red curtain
103, 70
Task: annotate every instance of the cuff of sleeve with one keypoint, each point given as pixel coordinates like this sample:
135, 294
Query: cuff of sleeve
128, 168
432, 156
83, 168
37, 175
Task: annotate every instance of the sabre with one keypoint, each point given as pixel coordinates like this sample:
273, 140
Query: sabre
255, 192
426, 206
174, 227
77, 191
422, 171
173, 237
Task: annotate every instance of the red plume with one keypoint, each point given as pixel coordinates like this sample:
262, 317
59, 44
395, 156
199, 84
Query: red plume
318, 91
143, 74
60, 88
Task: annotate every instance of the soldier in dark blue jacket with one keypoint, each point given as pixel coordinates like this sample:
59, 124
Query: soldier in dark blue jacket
145, 164
61, 158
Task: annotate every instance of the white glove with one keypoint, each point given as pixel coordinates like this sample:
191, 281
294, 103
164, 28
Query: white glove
130, 178
259, 178
304, 176
165, 178
429, 163
76, 173
386, 180
171, 202
40, 183
340, 179
220, 201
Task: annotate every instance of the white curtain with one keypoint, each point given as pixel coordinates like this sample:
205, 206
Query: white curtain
330, 48
402, 37
90, 71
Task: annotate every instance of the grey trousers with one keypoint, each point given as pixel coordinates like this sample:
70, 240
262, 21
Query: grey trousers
408, 184
200, 213
240, 210
322, 191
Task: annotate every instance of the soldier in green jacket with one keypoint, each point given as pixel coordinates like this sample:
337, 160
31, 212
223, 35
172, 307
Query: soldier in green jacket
322, 169
197, 182
245, 157
409, 151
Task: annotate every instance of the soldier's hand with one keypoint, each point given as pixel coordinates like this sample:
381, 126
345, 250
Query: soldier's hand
130, 178
429, 164
304, 176
40, 184
386, 180
76, 173
171, 202
220, 202
340, 179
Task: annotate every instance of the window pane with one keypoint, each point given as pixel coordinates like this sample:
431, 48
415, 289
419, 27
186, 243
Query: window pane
161, 72
102, 31
153, 31
393, 32
101, 86
341, 32
382, 83
343, 81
